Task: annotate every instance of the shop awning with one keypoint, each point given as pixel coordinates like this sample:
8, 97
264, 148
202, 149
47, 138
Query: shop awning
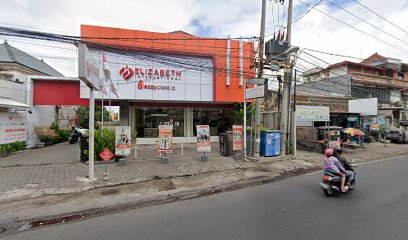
9, 103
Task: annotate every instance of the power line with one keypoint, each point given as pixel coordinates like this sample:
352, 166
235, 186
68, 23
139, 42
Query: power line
310, 9
378, 15
343, 22
78, 38
363, 20
332, 54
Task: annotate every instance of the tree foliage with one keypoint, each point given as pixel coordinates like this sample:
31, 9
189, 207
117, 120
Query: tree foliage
82, 113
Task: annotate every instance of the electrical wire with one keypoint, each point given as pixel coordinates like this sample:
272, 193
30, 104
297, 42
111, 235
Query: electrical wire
349, 25
310, 9
378, 15
332, 54
363, 20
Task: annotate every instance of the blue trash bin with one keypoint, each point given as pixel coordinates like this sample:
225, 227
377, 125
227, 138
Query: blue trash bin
270, 143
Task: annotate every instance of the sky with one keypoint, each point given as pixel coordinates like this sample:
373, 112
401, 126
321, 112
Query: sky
215, 18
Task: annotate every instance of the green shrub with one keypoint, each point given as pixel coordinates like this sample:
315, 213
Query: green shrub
8, 148
62, 136
45, 134
104, 138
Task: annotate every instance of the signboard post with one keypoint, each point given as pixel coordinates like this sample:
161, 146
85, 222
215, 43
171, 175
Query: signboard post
106, 155
122, 143
88, 72
237, 141
165, 141
203, 140
252, 94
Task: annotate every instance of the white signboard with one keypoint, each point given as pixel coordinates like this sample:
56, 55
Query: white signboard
255, 92
154, 76
12, 127
122, 144
88, 69
364, 106
312, 113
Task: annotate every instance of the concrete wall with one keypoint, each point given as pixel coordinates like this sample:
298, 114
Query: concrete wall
41, 116
271, 120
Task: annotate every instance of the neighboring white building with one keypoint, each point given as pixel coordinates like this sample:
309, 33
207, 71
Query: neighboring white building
17, 115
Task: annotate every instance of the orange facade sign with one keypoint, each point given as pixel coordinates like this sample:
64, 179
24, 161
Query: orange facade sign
182, 43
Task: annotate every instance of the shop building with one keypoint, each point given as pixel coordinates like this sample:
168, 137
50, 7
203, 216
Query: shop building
162, 78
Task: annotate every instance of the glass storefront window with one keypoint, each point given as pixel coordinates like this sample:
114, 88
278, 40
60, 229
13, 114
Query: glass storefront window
218, 120
148, 121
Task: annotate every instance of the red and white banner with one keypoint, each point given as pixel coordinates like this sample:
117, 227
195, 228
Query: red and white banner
107, 73
12, 127
237, 138
165, 138
122, 147
203, 138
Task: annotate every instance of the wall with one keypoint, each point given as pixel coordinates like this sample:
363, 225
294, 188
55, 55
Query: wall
41, 116
338, 71
270, 120
328, 86
13, 90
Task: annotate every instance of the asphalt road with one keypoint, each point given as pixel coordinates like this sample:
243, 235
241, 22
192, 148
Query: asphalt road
294, 208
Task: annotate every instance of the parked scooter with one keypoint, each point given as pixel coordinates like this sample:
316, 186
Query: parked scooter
75, 133
331, 183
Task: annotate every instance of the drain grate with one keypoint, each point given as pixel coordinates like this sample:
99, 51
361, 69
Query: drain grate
164, 185
41, 223
110, 192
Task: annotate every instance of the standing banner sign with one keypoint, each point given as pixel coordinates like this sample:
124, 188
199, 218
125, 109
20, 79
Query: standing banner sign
237, 137
203, 138
165, 138
122, 140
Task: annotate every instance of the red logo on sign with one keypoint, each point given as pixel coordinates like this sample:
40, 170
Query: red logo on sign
140, 85
126, 72
106, 155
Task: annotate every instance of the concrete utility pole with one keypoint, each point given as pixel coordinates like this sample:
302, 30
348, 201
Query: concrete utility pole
260, 72
286, 86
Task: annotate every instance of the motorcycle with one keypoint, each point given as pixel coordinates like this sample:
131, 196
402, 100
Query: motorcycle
73, 138
331, 183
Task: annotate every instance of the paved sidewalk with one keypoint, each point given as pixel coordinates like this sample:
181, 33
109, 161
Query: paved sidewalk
55, 169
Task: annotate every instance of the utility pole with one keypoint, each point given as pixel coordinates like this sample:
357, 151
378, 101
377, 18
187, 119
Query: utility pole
260, 72
286, 86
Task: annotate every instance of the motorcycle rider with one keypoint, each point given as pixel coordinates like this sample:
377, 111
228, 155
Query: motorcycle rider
346, 165
332, 165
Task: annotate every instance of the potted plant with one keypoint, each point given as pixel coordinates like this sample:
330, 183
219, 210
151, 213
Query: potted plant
45, 135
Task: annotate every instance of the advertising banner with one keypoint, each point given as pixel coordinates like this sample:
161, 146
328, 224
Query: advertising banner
203, 138
165, 138
237, 137
122, 144
12, 127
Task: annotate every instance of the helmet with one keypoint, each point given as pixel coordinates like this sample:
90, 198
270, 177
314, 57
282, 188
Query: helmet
338, 150
328, 152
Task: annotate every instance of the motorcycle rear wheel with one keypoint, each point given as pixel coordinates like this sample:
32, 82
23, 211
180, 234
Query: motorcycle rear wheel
328, 192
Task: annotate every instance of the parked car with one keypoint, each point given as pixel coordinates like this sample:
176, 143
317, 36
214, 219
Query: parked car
398, 136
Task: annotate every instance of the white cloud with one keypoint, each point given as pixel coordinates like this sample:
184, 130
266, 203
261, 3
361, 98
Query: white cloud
217, 18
